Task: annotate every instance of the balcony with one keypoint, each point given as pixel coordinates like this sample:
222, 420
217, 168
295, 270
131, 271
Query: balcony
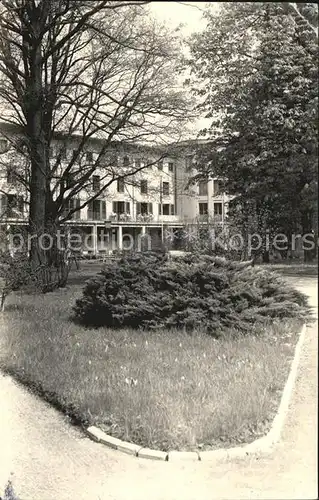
124, 217
142, 218
218, 196
218, 218
205, 218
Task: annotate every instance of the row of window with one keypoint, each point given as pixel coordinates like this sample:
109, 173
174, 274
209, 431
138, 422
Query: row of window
12, 205
97, 209
164, 188
217, 186
160, 166
63, 154
96, 185
203, 208
68, 183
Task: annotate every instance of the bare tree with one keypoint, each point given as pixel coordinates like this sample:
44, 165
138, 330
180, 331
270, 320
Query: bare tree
72, 69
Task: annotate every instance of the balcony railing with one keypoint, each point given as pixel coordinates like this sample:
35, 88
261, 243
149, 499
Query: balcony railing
141, 218
218, 218
211, 219
13, 214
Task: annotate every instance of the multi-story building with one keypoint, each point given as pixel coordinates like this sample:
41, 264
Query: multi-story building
204, 200
153, 201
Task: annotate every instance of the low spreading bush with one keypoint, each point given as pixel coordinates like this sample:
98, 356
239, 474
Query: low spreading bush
193, 291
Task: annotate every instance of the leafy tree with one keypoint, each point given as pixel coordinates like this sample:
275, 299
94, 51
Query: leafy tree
255, 68
98, 69
306, 12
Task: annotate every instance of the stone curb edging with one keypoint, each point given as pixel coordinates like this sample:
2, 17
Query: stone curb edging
264, 444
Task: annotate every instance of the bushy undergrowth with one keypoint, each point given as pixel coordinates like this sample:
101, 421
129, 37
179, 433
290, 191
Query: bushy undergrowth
17, 273
202, 292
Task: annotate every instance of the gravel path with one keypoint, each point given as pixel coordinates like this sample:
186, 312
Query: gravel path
52, 460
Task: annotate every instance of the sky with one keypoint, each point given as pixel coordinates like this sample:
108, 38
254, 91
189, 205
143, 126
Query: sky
174, 13
191, 15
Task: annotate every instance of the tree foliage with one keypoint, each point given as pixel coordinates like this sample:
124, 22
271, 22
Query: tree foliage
255, 68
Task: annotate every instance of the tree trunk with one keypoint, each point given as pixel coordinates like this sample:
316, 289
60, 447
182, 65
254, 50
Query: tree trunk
266, 257
307, 229
37, 207
38, 153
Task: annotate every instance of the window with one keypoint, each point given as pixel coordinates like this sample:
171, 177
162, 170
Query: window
167, 209
203, 208
143, 187
144, 208
218, 209
10, 175
218, 187
76, 204
160, 165
165, 188
3, 204
75, 155
97, 210
96, 183
120, 185
22, 146
89, 156
126, 161
202, 188
121, 207
63, 153
70, 205
14, 206
137, 163
51, 152
69, 180
171, 167
3, 145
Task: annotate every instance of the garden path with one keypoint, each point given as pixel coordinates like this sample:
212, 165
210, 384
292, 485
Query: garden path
52, 460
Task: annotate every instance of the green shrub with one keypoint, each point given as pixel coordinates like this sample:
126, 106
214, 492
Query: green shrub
202, 292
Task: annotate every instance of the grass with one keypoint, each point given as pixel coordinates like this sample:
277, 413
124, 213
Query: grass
291, 268
286, 268
164, 390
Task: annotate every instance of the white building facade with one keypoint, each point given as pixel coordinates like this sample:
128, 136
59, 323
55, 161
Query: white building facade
127, 211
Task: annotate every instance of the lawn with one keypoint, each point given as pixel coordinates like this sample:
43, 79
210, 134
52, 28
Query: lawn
164, 390
289, 268
286, 268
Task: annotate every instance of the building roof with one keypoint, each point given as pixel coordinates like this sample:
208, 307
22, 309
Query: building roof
11, 128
